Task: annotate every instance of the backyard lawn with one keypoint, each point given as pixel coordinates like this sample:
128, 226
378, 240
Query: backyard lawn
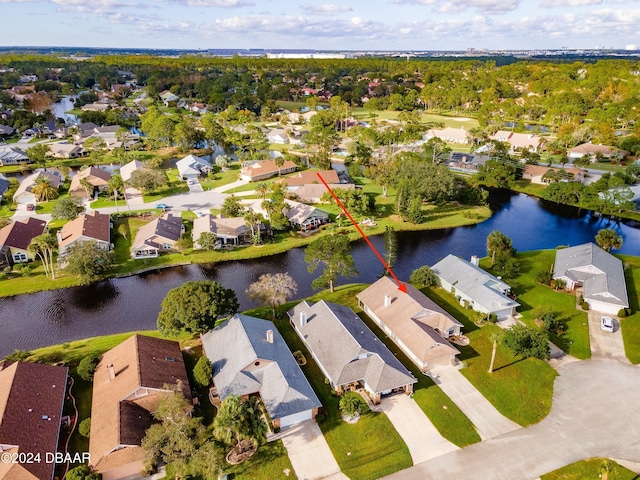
631, 325
590, 470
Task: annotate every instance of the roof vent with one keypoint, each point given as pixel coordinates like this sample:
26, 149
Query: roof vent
269, 336
303, 319
387, 300
45, 417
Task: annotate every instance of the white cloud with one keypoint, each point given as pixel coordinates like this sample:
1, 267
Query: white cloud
568, 3
457, 6
327, 10
217, 3
414, 2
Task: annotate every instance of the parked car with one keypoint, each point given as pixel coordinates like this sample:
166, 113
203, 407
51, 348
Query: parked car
606, 324
30, 207
191, 181
162, 206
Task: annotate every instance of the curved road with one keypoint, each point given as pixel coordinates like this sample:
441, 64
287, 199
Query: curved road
594, 414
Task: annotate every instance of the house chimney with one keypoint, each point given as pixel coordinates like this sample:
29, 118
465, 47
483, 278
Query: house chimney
59, 236
475, 260
303, 319
111, 371
387, 300
269, 336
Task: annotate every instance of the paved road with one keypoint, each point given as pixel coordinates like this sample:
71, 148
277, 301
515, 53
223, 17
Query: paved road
422, 438
309, 452
594, 414
487, 420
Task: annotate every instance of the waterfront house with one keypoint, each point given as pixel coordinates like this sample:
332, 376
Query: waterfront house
15, 239
159, 235
94, 226
24, 192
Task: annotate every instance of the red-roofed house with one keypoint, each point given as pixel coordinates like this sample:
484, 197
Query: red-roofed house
15, 239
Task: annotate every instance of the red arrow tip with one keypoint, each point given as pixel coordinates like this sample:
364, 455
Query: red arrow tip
403, 287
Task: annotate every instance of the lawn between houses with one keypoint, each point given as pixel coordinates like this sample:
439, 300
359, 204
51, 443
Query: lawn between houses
590, 469
631, 325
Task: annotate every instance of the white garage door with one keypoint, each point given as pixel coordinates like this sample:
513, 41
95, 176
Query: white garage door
295, 418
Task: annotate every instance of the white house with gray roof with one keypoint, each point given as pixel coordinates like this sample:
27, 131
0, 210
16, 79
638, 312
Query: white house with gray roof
474, 287
347, 351
191, 167
600, 274
250, 357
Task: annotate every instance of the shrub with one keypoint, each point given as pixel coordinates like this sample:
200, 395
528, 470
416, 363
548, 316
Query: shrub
623, 313
352, 404
84, 428
18, 356
544, 277
585, 305
87, 367
424, 276
527, 341
82, 472
202, 372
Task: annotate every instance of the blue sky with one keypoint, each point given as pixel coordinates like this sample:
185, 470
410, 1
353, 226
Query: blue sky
370, 24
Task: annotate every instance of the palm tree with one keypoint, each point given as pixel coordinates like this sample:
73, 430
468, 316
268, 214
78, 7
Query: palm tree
608, 239
115, 187
44, 190
43, 246
494, 337
279, 162
87, 186
262, 188
239, 420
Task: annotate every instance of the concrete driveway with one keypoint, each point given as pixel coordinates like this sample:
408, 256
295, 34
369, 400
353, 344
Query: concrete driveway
605, 344
487, 420
422, 438
594, 414
309, 453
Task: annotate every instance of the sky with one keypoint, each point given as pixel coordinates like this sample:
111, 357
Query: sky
305, 24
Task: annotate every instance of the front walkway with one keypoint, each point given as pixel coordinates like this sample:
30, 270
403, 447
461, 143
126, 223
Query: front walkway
487, 420
309, 452
422, 438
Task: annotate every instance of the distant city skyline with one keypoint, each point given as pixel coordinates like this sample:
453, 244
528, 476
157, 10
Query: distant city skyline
355, 25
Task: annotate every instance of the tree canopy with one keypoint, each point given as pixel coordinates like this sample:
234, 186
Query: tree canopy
195, 306
333, 252
88, 260
273, 289
608, 239
527, 341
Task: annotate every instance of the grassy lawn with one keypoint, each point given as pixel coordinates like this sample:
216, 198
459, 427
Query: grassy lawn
520, 389
631, 325
525, 186
222, 178
173, 187
589, 470
531, 294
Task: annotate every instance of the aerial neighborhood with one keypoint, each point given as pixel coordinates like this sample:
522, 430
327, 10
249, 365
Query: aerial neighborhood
316, 270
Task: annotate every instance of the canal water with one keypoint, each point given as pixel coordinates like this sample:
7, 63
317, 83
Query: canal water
132, 303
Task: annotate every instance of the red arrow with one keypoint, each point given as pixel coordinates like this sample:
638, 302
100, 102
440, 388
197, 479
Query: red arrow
401, 286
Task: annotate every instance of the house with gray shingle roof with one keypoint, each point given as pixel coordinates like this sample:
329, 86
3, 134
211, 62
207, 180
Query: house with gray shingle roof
474, 287
250, 357
347, 351
600, 274
159, 235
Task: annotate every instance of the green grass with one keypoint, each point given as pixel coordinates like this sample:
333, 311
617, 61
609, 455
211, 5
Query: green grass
590, 470
631, 325
520, 389
173, 187
531, 294
222, 178
525, 186
269, 462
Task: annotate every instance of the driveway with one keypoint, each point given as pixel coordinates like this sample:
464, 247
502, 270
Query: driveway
422, 438
309, 453
605, 344
487, 420
594, 414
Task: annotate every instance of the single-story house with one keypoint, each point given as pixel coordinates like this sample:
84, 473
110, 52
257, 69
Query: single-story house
66, 150
4, 186
307, 177
197, 107
229, 231
25, 195
128, 383
475, 288
278, 135
33, 396
12, 156
600, 274
413, 321
6, 130
191, 167
466, 162
250, 357
129, 168
168, 97
536, 172
97, 107
313, 192
94, 226
347, 351
15, 239
305, 217
96, 176
593, 151
518, 142
159, 235
449, 135
256, 171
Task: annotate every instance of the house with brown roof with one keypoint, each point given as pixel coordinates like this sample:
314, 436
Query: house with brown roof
307, 187
128, 384
129, 168
159, 235
65, 150
593, 151
94, 226
95, 176
229, 231
24, 192
305, 217
31, 401
543, 175
413, 321
256, 171
15, 239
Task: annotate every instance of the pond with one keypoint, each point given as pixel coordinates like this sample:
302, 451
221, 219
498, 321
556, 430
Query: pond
132, 303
